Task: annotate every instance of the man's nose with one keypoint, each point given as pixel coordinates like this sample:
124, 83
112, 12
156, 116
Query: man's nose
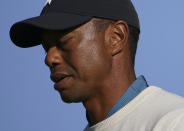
53, 57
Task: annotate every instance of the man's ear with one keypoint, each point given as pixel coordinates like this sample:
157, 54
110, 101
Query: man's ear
117, 36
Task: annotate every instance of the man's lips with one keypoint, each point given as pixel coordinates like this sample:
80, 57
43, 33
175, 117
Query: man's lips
59, 78
60, 85
56, 77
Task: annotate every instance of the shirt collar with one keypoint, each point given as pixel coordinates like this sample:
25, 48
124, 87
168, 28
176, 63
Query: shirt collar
137, 86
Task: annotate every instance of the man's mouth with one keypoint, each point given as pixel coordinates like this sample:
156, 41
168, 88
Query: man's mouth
59, 79
58, 76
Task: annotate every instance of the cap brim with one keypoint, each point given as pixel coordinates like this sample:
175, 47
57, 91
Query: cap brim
27, 33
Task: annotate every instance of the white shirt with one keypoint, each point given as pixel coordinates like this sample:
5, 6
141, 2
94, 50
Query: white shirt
154, 109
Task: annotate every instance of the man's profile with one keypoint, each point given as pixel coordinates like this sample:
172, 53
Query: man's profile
91, 47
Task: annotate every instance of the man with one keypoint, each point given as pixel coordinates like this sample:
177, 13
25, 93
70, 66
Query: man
91, 47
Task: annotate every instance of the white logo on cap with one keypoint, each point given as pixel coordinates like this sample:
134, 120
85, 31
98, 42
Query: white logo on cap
48, 2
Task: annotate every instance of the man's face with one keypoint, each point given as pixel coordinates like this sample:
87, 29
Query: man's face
79, 62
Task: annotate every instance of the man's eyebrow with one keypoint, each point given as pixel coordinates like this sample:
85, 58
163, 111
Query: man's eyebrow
66, 37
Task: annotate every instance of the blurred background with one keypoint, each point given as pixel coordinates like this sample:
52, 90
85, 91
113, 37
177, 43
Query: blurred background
27, 98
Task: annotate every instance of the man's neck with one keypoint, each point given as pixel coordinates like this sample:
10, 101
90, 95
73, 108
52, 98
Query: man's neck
98, 106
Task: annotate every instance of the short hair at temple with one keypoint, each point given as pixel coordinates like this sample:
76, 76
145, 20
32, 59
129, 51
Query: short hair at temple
101, 24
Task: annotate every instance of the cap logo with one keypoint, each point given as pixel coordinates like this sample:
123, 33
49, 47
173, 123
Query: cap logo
48, 2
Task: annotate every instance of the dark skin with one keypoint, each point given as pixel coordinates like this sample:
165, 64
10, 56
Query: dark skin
99, 65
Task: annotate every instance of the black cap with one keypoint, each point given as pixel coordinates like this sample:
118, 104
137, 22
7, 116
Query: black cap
64, 14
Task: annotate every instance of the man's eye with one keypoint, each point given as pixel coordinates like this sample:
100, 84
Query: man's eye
61, 45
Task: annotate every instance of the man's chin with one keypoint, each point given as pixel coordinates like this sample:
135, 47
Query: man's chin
70, 99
